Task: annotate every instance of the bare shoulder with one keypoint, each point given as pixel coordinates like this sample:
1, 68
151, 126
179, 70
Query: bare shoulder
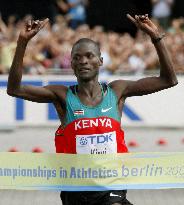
119, 87
117, 83
59, 90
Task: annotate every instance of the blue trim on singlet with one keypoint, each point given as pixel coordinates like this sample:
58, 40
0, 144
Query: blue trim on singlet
109, 103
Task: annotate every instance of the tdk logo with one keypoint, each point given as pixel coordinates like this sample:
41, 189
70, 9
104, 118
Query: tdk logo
96, 139
100, 139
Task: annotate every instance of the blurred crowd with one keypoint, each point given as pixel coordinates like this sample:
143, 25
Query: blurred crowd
49, 51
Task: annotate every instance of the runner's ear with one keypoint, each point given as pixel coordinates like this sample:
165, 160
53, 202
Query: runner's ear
101, 61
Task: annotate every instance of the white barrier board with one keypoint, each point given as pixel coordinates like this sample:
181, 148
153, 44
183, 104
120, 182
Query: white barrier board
164, 109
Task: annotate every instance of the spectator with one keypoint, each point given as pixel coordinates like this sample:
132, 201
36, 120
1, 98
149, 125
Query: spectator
49, 51
162, 11
6, 53
135, 60
76, 13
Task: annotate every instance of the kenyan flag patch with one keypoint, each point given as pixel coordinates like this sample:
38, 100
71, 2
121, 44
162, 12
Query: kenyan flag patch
78, 112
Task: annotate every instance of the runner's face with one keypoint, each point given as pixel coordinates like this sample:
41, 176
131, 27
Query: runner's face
86, 61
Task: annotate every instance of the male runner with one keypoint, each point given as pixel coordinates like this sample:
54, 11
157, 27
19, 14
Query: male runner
90, 108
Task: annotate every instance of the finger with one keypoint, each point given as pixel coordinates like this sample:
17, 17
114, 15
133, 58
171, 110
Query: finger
38, 25
36, 22
43, 23
136, 17
143, 17
28, 25
131, 18
140, 19
150, 23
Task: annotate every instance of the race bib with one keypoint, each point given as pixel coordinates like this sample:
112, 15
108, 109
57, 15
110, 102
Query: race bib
96, 143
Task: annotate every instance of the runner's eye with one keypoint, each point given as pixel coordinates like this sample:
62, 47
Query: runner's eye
76, 57
90, 55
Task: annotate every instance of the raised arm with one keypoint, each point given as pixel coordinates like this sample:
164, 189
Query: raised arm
14, 88
167, 77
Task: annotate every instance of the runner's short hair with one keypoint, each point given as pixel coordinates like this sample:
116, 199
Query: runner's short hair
87, 41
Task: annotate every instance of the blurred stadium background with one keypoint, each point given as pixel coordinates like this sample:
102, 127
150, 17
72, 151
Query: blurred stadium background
151, 123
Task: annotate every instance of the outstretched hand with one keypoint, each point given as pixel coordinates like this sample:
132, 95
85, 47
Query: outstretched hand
32, 28
145, 24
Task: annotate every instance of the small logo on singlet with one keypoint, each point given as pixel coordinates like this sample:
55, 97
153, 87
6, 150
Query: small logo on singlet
106, 110
111, 194
83, 141
78, 112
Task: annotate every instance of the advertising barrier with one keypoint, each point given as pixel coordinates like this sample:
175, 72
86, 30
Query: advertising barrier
162, 109
70, 172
